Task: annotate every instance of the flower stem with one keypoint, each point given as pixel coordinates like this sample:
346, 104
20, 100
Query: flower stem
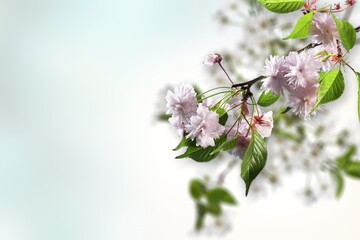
227, 75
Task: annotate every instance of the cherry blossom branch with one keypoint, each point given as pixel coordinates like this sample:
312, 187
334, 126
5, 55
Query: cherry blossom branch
248, 84
309, 46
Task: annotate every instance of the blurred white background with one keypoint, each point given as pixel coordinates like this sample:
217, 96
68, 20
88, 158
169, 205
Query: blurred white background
80, 154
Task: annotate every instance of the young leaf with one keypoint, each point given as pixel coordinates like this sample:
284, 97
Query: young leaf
282, 6
200, 216
183, 143
302, 27
200, 154
197, 189
223, 117
226, 146
347, 33
218, 195
353, 169
254, 160
286, 110
344, 159
214, 209
331, 87
266, 99
358, 78
339, 184
163, 117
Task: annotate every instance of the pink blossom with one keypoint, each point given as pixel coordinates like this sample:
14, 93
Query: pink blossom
302, 100
204, 126
274, 71
263, 123
324, 29
243, 139
212, 59
181, 105
302, 69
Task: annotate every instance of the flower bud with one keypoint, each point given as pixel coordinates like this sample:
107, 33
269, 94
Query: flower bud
212, 59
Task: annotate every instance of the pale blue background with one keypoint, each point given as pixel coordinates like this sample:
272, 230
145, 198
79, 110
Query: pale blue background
77, 94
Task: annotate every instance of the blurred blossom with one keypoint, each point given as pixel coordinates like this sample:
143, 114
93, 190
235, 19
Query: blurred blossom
212, 59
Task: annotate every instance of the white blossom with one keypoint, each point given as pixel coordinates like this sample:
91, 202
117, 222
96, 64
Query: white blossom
243, 139
302, 100
212, 58
204, 126
324, 29
181, 105
302, 69
274, 71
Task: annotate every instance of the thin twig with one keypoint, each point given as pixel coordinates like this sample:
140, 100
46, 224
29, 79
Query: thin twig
309, 46
227, 170
226, 73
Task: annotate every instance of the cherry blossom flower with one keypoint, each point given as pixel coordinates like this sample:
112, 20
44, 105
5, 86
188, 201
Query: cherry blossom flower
263, 123
324, 29
204, 126
181, 105
212, 59
274, 71
243, 140
301, 69
302, 100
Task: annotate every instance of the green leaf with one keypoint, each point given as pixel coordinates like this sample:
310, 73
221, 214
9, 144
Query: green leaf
353, 169
163, 117
347, 33
302, 27
200, 154
226, 146
286, 110
339, 184
288, 135
200, 216
331, 87
344, 159
254, 160
282, 6
358, 78
218, 195
266, 99
197, 189
214, 209
223, 117
185, 142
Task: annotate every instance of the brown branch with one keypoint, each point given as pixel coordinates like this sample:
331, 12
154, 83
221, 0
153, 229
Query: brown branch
309, 46
248, 83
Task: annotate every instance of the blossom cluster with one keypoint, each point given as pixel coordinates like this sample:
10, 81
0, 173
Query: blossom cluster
199, 121
298, 73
